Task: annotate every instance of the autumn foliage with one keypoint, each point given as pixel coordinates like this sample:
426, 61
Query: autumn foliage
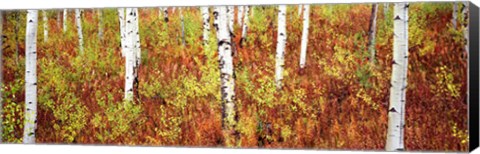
338, 102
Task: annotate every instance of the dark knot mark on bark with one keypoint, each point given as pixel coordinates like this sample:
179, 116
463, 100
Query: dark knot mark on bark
30, 21
221, 42
397, 18
392, 110
400, 149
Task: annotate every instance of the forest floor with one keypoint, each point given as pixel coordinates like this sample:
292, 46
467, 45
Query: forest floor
338, 102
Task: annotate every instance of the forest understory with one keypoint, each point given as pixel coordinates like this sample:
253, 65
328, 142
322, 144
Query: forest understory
339, 101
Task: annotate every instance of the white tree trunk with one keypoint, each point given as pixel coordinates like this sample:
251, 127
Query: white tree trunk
396, 114
59, 19
306, 22
281, 41
253, 10
465, 13
123, 32
245, 26
165, 14
100, 24
129, 54
240, 14
454, 15
136, 41
65, 15
299, 9
385, 9
1, 76
372, 32
226, 67
78, 21
230, 18
206, 24
45, 26
31, 77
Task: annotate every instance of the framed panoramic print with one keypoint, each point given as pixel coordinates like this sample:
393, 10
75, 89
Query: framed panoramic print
397, 76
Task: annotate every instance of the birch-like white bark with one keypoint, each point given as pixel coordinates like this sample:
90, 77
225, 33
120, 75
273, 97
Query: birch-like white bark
385, 9
59, 18
206, 24
65, 15
1, 76
100, 24
226, 67
465, 13
454, 14
78, 21
240, 14
306, 22
165, 14
45, 26
372, 32
245, 25
396, 109
129, 54
230, 18
123, 32
31, 77
136, 41
281, 41
299, 9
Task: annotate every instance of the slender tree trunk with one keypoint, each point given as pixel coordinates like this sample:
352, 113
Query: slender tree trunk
227, 74
396, 114
299, 10
245, 25
206, 24
59, 19
465, 13
45, 26
454, 14
129, 54
240, 14
78, 20
65, 17
165, 10
31, 78
136, 42
182, 26
17, 26
100, 24
281, 41
230, 18
173, 9
372, 32
306, 22
253, 10
123, 32
385, 9
1, 76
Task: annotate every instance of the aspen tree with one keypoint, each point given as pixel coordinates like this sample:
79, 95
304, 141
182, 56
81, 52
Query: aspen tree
230, 18
123, 33
465, 13
398, 88
165, 14
299, 9
385, 9
1, 76
245, 25
78, 20
240, 14
226, 71
100, 23
129, 54
281, 41
65, 13
372, 32
182, 26
45, 26
206, 24
306, 22
31, 77
454, 15
59, 19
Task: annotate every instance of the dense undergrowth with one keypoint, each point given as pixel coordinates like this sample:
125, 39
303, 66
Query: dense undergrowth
338, 102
